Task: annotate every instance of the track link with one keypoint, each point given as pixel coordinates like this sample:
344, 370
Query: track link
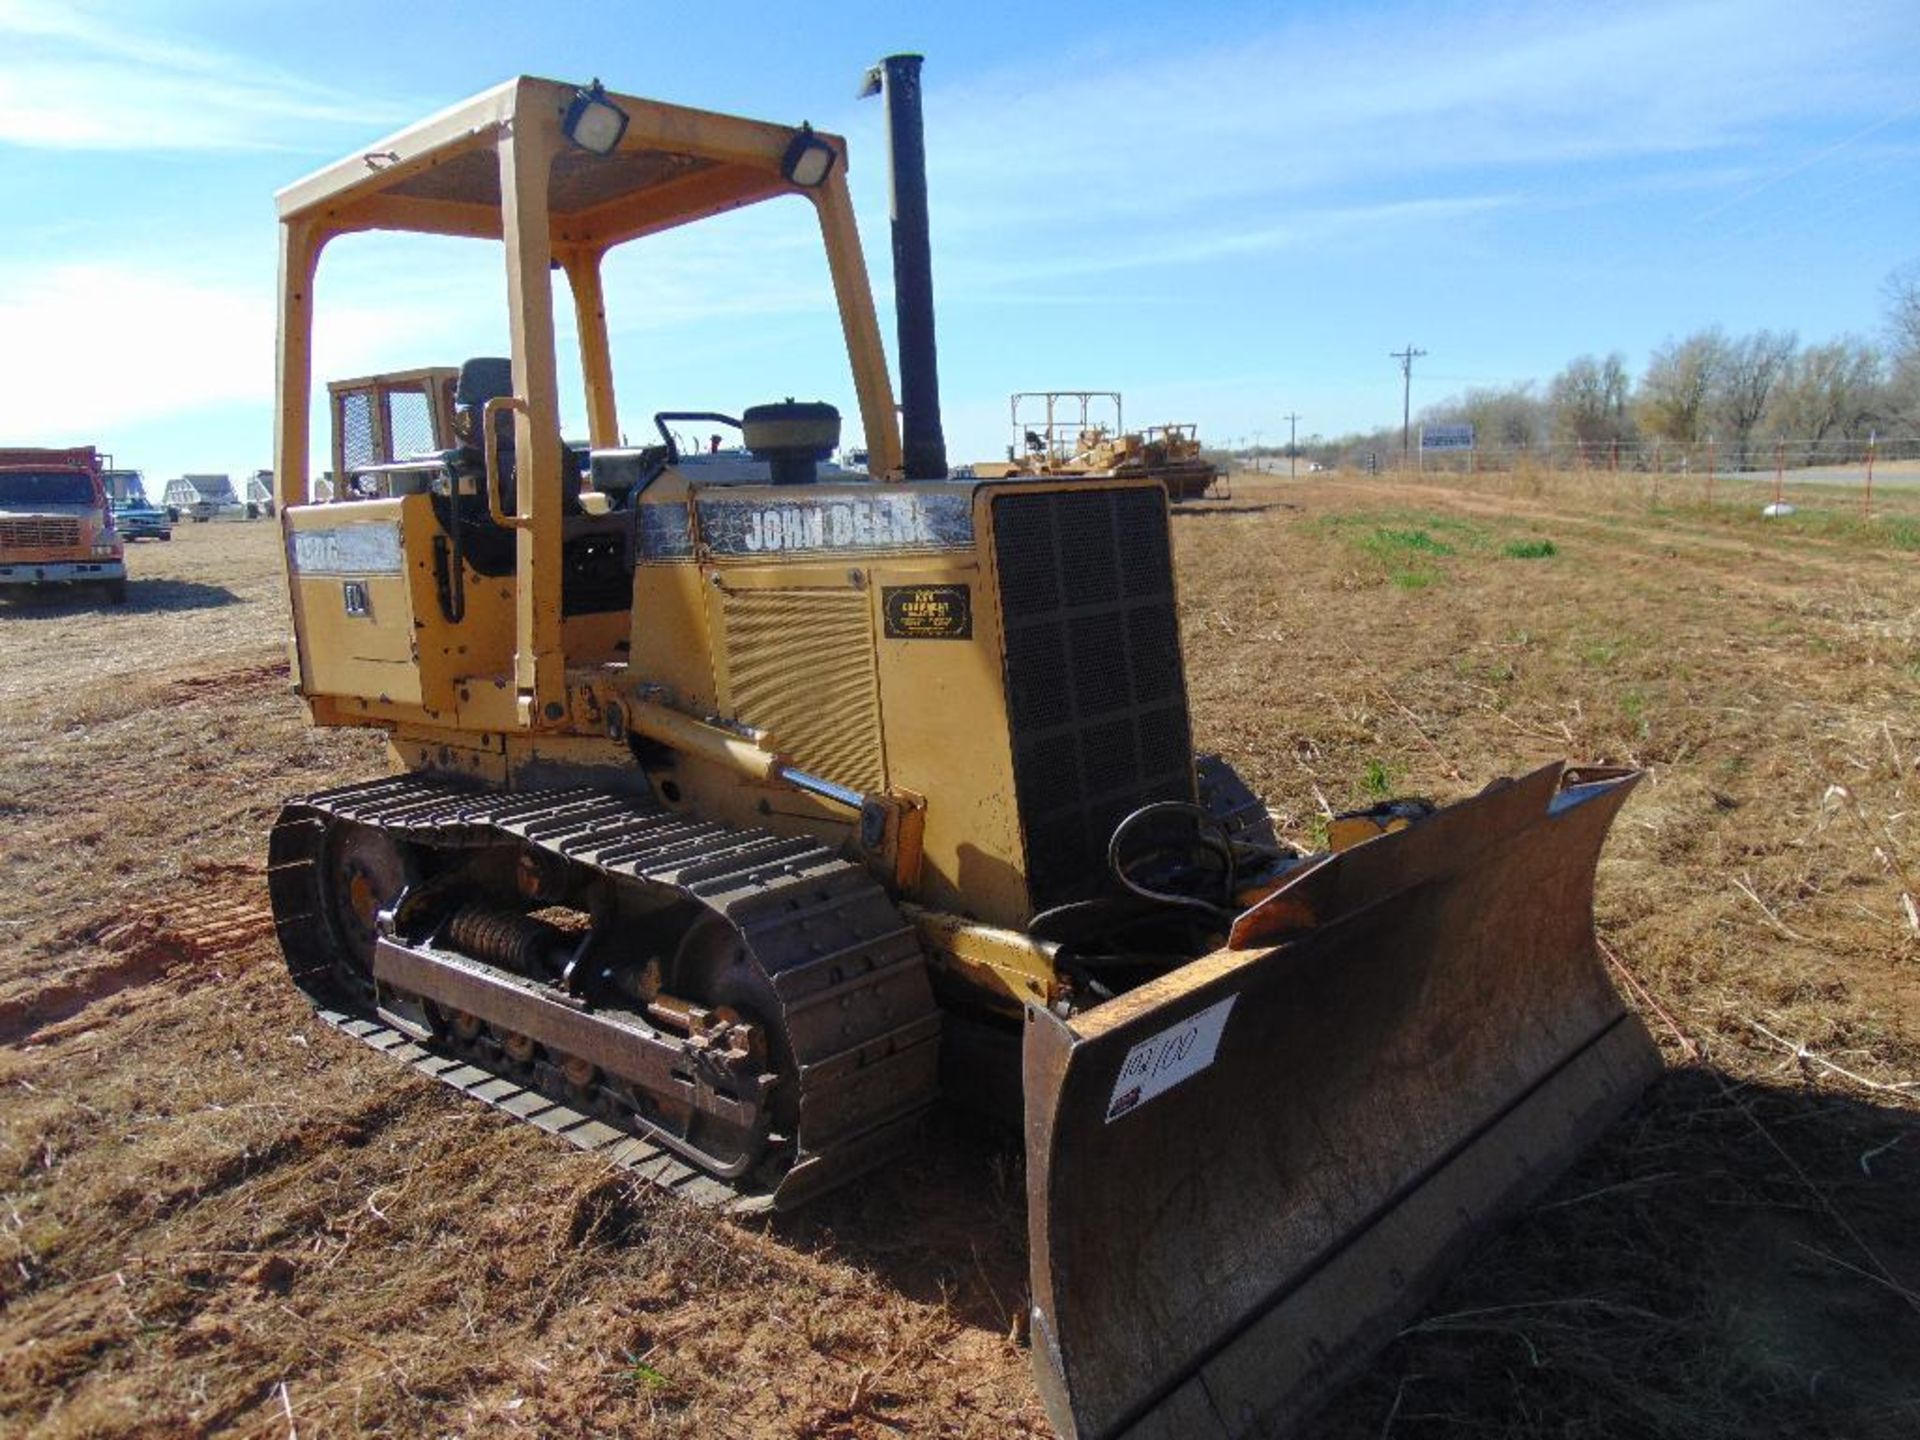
848, 969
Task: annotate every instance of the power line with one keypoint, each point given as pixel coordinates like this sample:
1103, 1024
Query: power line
1406, 358
1293, 449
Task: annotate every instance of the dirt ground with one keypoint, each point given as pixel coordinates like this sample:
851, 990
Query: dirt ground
218, 1216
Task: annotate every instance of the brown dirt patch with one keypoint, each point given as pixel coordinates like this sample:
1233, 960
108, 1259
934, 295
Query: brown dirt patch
215, 1213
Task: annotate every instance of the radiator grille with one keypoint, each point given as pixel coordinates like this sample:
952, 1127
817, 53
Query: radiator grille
1095, 691
39, 533
801, 664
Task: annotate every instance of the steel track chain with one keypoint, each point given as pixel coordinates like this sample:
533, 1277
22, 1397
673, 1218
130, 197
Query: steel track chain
847, 968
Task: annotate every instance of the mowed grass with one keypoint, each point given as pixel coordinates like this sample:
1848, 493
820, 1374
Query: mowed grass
220, 1217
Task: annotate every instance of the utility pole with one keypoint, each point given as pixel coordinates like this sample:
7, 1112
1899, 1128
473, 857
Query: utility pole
1256, 448
1293, 450
1406, 358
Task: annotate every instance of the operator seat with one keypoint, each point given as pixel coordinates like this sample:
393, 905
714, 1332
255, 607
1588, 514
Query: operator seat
487, 378
594, 576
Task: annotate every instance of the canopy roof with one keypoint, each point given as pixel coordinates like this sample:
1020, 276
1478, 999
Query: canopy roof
673, 165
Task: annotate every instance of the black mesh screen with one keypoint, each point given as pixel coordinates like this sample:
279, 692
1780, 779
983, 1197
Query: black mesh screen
1094, 687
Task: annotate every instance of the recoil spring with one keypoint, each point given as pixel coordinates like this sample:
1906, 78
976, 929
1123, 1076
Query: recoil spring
504, 937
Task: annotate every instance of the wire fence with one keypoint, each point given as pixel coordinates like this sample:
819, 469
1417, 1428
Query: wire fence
1671, 457
1827, 471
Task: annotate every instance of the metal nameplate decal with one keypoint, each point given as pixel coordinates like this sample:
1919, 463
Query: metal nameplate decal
927, 612
367, 547
903, 520
663, 531
1162, 1061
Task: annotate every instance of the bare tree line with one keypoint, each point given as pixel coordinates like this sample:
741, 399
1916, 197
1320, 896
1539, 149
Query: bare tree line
1741, 393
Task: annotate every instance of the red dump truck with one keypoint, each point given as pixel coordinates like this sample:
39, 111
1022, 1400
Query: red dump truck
56, 522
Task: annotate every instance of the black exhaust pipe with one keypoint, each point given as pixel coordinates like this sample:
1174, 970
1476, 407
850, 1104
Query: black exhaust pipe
922, 441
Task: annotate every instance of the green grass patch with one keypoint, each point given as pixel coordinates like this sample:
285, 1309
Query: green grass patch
1379, 780
1530, 549
1405, 553
1408, 544
1392, 542
642, 1376
1633, 705
1359, 526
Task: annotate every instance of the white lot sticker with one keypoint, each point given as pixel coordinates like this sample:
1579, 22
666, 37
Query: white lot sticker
365, 547
1162, 1061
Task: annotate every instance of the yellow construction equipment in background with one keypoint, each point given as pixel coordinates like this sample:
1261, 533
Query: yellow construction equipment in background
1062, 433
739, 809
378, 419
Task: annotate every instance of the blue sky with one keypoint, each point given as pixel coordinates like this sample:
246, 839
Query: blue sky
1227, 211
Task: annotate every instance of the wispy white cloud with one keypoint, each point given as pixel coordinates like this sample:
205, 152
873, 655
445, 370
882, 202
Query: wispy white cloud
1311, 134
92, 344
97, 349
75, 76
761, 261
1300, 229
1408, 97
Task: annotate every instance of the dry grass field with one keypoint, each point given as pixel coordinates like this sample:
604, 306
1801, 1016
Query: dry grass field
218, 1216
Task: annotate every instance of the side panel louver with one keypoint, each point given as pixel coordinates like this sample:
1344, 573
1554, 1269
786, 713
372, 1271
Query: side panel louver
800, 663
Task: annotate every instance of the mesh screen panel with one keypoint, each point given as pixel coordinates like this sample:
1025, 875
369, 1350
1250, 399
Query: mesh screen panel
355, 419
409, 423
1096, 696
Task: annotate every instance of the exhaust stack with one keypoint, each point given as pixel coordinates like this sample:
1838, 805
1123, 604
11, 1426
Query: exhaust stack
922, 441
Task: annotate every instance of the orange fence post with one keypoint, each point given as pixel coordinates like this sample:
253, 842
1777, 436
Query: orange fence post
1872, 437
1709, 472
1779, 471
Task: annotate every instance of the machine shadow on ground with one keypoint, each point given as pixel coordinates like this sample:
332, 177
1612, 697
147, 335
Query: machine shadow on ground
1194, 509
1602, 1316
1732, 1260
156, 596
945, 1224
169, 595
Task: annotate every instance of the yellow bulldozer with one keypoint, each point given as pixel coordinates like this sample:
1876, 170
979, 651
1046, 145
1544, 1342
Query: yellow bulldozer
1059, 433
739, 812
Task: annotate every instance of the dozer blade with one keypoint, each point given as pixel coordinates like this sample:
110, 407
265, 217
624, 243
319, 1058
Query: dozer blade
1245, 1175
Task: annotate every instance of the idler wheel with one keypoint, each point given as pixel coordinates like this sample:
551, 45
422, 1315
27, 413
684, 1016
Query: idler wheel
363, 871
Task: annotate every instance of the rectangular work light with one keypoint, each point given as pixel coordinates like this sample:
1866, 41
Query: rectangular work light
593, 122
809, 159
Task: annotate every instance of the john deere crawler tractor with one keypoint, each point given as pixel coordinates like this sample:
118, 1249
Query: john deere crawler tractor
739, 811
